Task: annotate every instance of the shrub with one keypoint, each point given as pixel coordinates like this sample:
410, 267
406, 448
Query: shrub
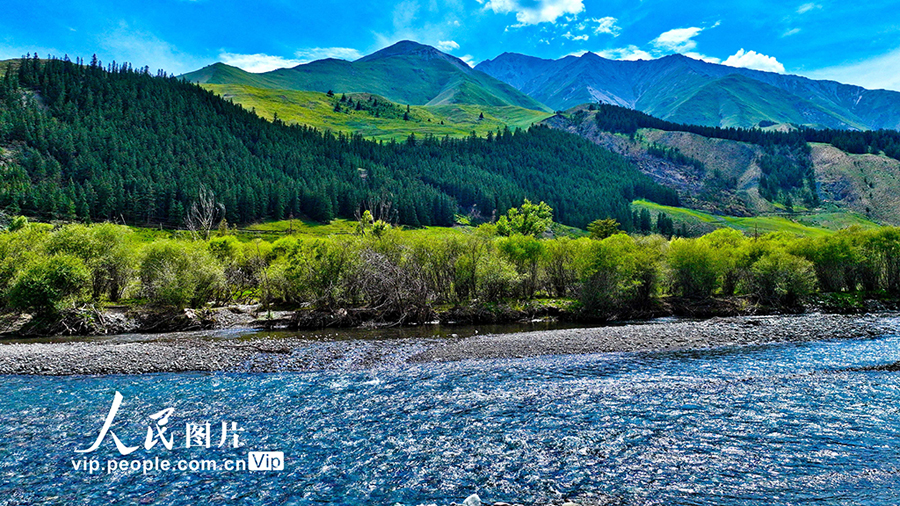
175, 273
524, 252
729, 257
394, 288
18, 223
619, 271
883, 250
106, 251
497, 279
529, 219
436, 261
19, 249
475, 248
244, 266
47, 282
322, 272
601, 229
114, 268
781, 278
693, 268
838, 261
559, 265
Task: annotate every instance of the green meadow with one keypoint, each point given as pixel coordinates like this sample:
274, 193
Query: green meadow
807, 224
382, 121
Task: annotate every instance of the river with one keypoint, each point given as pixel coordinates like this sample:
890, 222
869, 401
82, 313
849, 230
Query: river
767, 424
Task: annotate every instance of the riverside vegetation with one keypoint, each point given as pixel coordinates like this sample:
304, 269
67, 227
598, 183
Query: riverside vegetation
394, 276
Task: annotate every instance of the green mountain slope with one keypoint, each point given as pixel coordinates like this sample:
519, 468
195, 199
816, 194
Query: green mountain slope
83, 143
738, 101
220, 73
373, 116
407, 73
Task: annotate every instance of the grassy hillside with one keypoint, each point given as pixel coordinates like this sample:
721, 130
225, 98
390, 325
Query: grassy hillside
868, 184
375, 116
406, 72
805, 224
738, 101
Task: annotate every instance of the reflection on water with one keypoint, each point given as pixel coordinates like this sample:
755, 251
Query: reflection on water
780, 424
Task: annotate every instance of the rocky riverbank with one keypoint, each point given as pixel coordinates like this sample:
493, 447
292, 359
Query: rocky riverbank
193, 351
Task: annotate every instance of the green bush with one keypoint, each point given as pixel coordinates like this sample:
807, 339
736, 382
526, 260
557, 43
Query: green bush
176, 273
436, 262
528, 219
107, 250
497, 279
321, 272
475, 248
525, 253
18, 223
244, 266
560, 266
838, 260
48, 282
693, 268
883, 251
618, 272
780, 278
730, 257
19, 249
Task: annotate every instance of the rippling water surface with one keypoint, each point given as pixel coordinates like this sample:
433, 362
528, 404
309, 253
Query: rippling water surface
781, 424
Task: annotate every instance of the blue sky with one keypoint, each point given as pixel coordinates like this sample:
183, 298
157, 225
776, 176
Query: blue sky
822, 39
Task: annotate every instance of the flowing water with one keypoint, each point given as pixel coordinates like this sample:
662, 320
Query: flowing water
778, 424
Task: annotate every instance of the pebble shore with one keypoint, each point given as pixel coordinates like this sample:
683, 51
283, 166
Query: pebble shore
190, 352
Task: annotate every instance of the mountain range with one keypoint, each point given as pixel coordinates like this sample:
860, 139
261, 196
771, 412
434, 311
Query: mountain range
406, 72
675, 88
449, 98
683, 90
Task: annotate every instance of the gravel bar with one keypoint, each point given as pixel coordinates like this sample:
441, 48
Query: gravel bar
174, 354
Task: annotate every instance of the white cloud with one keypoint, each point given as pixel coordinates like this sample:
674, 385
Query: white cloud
629, 53
410, 24
680, 40
258, 62
309, 54
754, 60
141, 48
606, 25
468, 60
807, 7
570, 36
792, 31
541, 11
879, 72
447, 45
405, 13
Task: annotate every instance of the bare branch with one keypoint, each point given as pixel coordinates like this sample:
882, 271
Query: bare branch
204, 214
